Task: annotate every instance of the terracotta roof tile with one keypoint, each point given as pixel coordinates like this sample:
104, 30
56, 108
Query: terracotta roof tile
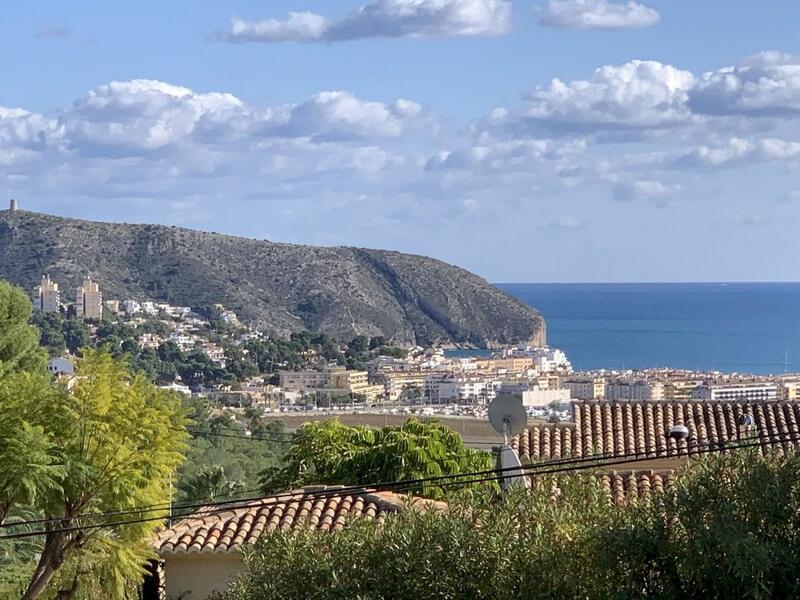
215, 530
640, 428
629, 486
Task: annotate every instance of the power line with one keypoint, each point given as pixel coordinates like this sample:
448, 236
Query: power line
597, 458
194, 431
408, 485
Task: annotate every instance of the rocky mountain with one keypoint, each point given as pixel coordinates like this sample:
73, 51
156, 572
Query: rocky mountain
284, 288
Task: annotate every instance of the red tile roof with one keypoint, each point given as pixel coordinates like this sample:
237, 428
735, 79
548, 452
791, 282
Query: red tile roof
641, 428
217, 529
623, 487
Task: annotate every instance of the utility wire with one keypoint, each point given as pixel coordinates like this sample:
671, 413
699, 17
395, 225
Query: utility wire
596, 458
408, 485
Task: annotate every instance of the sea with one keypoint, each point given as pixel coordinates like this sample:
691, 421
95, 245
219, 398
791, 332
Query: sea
728, 327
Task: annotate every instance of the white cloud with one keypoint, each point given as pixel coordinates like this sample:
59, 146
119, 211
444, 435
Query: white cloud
380, 18
637, 95
22, 129
297, 27
339, 115
125, 117
145, 139
737, 151
132, 117
767, 84
565, 222
502, 155
597, 14
644, 190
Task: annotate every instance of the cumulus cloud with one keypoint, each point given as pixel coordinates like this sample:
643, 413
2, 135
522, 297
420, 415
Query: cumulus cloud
21, 129
637, 95
737, 151
141, 116
380, 18
503, 155
767, 84
597, 14
341, 115
146, 139
644, 190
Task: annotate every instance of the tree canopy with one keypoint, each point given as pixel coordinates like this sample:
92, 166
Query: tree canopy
330, 452
107, 443
19, 341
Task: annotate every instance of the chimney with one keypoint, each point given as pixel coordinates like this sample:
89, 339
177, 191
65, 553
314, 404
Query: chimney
12, 205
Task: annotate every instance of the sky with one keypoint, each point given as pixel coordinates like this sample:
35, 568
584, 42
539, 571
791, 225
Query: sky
525, 140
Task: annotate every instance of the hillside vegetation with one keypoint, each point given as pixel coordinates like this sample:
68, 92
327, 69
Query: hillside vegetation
284, 288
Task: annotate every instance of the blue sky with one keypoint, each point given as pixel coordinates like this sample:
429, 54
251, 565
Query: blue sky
668, 149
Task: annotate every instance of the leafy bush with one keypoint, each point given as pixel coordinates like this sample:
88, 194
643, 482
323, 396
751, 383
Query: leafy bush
729, 529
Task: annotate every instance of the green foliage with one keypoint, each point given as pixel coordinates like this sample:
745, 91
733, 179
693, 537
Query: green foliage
108, 443
329, 452
210, 483
60, 333
729, 529
19, 342
239, 460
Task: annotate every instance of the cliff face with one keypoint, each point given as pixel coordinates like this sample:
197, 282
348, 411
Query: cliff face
282, 287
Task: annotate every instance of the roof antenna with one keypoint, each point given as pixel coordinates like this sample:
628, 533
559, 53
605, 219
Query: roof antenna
508, 416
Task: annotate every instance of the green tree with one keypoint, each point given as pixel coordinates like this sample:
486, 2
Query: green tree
19, 341
211, 483
76, 335
51, 329
108, 443
730, 528
329, 452
241, 458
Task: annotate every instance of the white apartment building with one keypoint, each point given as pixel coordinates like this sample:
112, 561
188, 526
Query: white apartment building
339, 380
542, 398
741, 392
396, 384
215, 354
184, 342
304, 380
89, 300
545, 359
111, 306
585, 388
791, 388
47, 297
461, 390
149, 308
634, 390
131, 307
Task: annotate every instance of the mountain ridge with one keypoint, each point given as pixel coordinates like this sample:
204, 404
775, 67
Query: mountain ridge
341, 290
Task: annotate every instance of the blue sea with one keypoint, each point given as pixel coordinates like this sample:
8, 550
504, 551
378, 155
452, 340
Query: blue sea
741, 327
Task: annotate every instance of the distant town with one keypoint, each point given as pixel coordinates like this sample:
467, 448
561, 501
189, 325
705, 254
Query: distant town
210, 352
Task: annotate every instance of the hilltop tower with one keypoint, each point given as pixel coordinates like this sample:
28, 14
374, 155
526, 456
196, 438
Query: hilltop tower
12, 205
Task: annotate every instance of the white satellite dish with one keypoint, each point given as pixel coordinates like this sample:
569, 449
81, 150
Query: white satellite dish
507, 415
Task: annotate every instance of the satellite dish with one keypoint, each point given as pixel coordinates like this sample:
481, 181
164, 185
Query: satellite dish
507, 415
511, 466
